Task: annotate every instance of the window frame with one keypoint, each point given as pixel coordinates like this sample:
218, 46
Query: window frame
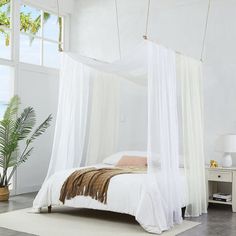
41, 37
14, 61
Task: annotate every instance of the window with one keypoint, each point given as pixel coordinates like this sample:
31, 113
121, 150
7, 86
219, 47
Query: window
41, 37
40, 34
37, 37
6, 88
28, 35
5, 29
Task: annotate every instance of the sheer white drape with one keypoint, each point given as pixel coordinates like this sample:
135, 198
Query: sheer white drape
190, 74
162, 192
69, 137
88, 110
103, 128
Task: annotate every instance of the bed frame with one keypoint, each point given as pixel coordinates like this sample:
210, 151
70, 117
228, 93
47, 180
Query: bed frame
183, 211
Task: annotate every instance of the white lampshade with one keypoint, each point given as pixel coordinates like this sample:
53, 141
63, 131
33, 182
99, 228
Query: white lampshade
229, 143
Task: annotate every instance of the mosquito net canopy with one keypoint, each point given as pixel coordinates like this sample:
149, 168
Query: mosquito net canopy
88, 119
132, 67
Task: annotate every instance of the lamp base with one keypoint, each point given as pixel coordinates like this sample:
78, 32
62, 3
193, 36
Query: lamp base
227, 160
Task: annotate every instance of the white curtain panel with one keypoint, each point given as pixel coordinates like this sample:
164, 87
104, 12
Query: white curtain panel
162, 192
104, 120
190, 74
69, 137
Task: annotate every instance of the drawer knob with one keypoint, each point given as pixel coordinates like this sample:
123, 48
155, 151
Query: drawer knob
219, 176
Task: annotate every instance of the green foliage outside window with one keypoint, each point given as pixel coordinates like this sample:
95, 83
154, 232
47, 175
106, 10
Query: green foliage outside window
28, 24
5, 21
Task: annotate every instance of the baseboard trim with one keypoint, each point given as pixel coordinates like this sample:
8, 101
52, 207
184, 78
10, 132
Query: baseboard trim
27, 189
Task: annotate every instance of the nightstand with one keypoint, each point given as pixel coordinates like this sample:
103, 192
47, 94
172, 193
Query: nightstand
221, 180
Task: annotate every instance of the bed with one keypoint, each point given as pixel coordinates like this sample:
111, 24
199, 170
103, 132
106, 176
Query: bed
123, 196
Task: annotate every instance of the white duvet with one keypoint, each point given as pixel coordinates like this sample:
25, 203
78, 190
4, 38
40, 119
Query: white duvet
124, 196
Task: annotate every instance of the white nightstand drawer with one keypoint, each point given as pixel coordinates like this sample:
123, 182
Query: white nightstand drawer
220, 176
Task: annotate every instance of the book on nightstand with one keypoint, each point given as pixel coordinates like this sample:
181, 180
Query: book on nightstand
223, 197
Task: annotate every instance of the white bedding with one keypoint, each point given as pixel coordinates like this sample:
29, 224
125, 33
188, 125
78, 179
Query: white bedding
124, 193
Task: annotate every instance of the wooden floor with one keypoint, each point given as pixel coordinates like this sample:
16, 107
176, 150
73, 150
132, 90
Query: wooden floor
220, 221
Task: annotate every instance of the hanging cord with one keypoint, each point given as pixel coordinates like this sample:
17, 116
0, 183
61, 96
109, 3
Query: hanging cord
58, 9
205, 30
145, 36
118, 29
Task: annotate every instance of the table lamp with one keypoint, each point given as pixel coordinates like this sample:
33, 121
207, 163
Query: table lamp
229, 146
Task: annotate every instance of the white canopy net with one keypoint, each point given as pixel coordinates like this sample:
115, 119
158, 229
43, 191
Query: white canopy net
88, 123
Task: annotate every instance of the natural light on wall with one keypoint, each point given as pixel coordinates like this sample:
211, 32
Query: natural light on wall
6, 88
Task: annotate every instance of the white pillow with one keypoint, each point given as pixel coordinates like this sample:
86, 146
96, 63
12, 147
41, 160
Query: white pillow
114, 158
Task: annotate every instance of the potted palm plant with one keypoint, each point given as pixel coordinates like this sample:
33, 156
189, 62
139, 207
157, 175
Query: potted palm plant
13, 130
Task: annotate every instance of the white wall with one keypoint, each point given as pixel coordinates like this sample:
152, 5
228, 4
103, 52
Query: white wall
178, 24
133, 117
39, 90
65, 6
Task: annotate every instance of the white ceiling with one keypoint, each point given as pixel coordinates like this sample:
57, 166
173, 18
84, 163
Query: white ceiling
65, 6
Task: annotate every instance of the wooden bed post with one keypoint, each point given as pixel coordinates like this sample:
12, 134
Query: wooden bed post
50, 209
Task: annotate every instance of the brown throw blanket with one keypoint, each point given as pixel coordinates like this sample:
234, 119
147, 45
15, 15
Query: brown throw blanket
92, 182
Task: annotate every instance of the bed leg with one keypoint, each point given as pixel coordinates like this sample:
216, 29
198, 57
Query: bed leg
183, 212
50, 209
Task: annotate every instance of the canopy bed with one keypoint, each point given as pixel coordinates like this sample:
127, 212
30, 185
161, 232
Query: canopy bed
86, 132
165, 188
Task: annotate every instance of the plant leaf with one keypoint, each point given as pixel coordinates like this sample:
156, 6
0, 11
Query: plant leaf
24, 157
41, 129
3, 2
25, 123
12, 108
